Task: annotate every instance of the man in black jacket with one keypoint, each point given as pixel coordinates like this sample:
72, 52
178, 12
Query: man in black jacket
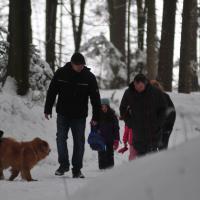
147, 107
74, 84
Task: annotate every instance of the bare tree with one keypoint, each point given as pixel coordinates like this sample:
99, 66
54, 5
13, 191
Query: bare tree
20, 37
151, 40
188, 38
77, 29
166, 53
51, 10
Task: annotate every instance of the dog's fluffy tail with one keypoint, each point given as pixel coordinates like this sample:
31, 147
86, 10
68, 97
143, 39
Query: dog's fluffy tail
1, 134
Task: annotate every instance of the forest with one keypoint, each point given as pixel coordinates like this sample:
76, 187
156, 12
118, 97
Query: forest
120, 38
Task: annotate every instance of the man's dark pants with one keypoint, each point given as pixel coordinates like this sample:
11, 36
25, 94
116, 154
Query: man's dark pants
78, 132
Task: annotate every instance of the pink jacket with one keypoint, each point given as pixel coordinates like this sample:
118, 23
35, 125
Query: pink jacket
128, 135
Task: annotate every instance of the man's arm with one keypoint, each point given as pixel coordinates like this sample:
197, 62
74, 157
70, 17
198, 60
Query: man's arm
161, 107
51, 95
124, 105
95, 99
170, 114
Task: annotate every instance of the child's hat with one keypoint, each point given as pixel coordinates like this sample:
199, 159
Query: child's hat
105, 101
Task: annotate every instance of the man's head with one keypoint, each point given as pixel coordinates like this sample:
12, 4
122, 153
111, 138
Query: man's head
140, 82
77, 62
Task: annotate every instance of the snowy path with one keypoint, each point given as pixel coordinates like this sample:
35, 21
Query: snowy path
48, 186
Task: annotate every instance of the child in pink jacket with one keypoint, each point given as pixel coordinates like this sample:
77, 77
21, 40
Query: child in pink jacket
128, 138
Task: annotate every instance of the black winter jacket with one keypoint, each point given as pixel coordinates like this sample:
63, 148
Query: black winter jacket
109, 126
170, 115
147, 113
73, 90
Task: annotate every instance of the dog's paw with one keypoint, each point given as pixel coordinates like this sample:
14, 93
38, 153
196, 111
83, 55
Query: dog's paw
30, 180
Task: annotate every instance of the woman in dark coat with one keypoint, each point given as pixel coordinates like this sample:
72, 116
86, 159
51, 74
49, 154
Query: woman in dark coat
109, 129
170, 117
147, 107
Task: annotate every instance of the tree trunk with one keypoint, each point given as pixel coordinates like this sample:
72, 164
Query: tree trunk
20, 37
128, 44
61, 32
51, 10
117, 18
77, 30
165, 64
194, 78
151, 40
141, 13
188, 46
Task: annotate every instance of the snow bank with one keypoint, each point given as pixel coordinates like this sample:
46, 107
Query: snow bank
172, 174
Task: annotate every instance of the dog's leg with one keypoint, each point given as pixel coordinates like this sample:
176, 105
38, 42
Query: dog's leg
26, 175
14, 174
1, 175
1, 172
26, 164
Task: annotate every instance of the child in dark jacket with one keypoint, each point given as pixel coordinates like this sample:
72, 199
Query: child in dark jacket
109, 129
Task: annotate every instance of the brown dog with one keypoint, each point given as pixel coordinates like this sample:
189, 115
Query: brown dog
21, 156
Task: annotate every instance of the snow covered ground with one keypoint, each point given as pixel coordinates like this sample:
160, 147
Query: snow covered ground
172, 174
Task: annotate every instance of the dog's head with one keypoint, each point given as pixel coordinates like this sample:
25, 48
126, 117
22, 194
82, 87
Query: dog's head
42, 147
